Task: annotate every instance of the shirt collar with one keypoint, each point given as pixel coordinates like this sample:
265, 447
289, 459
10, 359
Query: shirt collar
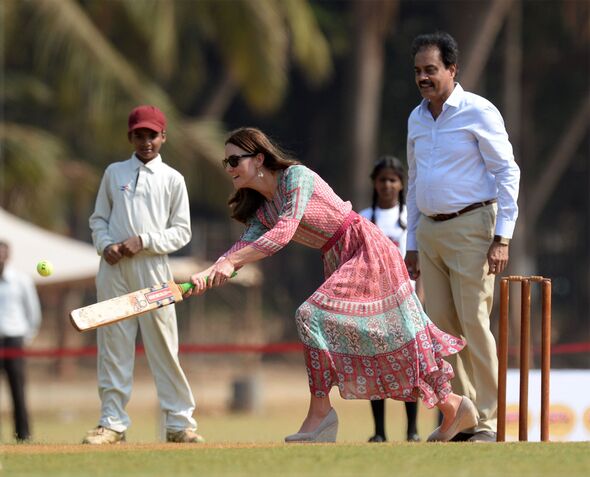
7, 274
152, 165
453, 100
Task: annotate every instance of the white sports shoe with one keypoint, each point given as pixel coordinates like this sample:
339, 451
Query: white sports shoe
184, 436
103, 435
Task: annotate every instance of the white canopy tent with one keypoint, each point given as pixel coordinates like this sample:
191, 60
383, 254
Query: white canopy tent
74, 260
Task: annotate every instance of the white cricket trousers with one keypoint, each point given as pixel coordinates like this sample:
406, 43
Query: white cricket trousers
116, 347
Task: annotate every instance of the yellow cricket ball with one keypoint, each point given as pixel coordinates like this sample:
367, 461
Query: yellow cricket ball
44, 268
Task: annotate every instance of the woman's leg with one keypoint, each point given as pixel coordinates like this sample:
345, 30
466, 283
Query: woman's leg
318, 410
448, 410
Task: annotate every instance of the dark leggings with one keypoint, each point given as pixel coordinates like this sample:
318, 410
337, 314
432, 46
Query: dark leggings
378, 408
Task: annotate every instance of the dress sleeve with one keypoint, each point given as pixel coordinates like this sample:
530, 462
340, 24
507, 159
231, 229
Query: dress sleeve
254, 230
295, 190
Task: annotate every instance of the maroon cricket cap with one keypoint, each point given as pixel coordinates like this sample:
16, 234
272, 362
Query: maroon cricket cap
148, 117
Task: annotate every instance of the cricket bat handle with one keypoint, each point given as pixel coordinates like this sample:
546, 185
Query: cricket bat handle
186, 286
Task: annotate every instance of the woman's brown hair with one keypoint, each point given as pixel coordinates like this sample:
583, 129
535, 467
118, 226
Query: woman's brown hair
245, 202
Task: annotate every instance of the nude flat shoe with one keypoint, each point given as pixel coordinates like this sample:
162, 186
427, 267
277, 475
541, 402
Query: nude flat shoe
325, 432
466, 418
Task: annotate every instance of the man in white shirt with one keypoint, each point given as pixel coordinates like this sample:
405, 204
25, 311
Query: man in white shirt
20, 317
462, 194
141, 215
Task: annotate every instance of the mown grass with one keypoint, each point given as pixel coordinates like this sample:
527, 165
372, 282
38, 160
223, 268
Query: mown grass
325, 460
270, 424
251, 444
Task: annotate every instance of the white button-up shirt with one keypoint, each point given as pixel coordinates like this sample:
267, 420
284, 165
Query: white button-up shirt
149, 200
462, 157
20, 313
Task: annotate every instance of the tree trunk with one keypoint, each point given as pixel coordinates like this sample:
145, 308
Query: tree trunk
477, 56
520, 253
372, 21
559, 159
220, 99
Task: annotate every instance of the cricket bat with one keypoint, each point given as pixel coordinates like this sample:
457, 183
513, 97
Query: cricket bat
127, 306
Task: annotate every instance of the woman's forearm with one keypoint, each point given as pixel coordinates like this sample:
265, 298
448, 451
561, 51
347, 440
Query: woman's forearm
245, 255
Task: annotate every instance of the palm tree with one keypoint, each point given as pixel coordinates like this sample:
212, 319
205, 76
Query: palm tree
98, 59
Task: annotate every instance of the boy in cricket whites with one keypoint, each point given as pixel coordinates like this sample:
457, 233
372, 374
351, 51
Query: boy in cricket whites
141, 215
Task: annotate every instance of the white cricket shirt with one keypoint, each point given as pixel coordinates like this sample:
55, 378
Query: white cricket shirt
149, 200
20, 312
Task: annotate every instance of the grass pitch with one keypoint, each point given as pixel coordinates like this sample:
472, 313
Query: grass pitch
251, 444
322, 460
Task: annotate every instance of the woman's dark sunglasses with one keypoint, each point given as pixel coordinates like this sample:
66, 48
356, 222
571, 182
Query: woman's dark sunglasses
234, 159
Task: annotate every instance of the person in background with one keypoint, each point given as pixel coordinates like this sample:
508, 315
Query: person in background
364, 329
141, 215
462, 209
20, 318
388, 211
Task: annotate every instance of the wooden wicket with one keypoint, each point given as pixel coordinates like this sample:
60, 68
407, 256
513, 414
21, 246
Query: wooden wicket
525, 317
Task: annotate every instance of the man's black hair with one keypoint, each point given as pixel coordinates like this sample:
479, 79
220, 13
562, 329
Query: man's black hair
446, 44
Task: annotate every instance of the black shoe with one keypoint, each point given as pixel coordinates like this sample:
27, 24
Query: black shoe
462, 437
483, 436
377, 438
413, 437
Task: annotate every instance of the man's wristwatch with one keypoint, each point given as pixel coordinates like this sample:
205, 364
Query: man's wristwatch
501, 240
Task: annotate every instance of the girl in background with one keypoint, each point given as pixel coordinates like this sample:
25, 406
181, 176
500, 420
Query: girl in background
388, 211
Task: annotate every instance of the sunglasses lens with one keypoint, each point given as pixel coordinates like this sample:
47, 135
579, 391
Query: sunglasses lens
232, 161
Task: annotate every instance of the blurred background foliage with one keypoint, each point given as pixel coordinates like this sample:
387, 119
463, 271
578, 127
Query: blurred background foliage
332, 81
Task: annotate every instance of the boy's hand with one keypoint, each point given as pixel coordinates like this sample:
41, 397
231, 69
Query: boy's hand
131, 246
112, 253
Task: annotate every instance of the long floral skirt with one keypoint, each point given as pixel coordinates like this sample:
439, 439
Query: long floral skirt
364, 330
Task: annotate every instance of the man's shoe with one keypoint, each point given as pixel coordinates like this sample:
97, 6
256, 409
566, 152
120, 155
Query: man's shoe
377, 438
484, 436
462, 437
103, 435
186, 436
413, 437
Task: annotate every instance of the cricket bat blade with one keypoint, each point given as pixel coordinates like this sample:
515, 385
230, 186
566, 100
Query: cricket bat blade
126, 306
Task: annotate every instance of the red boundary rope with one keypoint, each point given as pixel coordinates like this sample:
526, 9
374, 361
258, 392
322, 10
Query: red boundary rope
222, 348
228, 348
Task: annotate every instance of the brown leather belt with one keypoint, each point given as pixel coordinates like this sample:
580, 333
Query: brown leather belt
469, 208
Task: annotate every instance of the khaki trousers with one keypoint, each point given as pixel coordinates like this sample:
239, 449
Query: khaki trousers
459, 295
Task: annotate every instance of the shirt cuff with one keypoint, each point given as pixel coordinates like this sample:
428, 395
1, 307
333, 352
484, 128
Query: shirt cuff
145, 240
102, 245
505, 228
411, 244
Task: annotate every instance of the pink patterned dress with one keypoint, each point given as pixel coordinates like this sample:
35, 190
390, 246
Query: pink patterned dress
364, 329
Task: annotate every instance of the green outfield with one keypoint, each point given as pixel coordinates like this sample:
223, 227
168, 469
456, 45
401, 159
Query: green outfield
322, 460
250, 444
